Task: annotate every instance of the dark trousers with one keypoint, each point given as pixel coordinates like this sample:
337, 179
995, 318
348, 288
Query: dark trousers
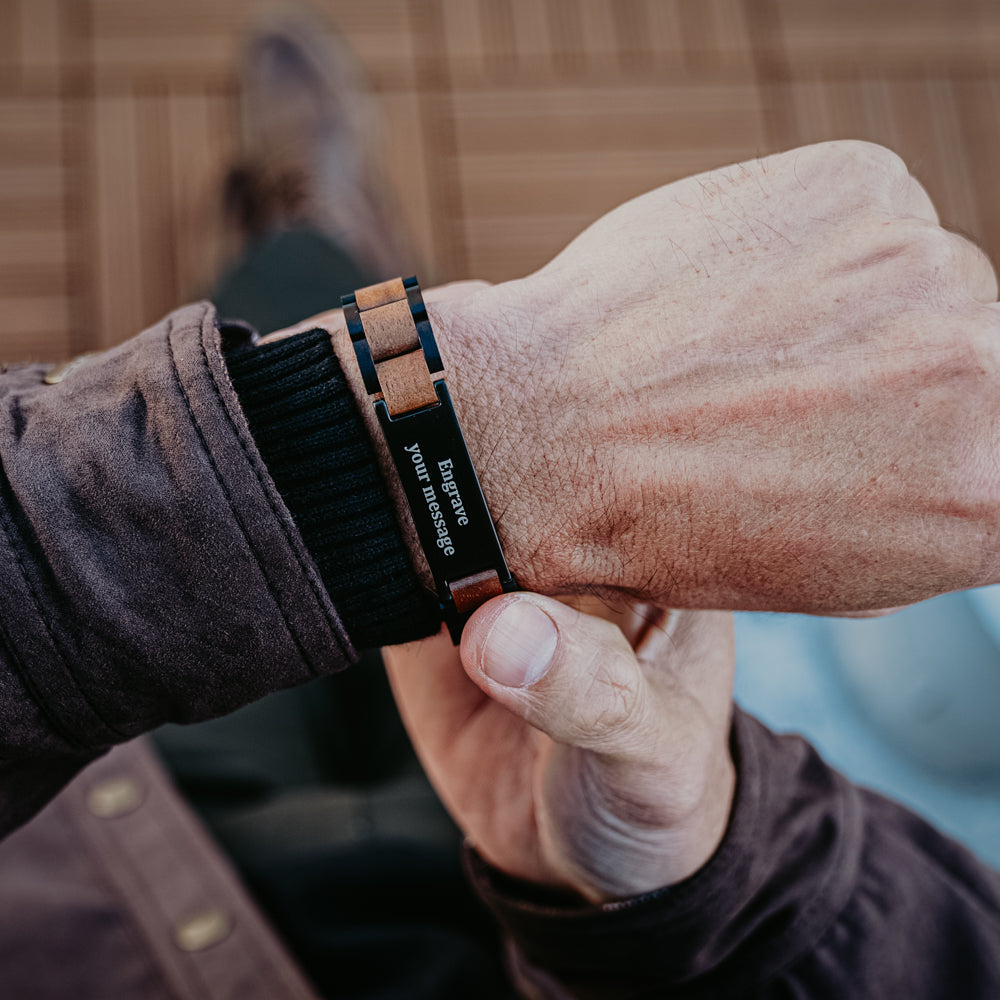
316, 793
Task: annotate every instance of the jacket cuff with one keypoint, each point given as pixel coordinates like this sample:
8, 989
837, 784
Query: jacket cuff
305, 423
786, 867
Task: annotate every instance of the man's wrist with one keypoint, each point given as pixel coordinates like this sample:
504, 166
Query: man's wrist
474, 348
489, 390
523, 442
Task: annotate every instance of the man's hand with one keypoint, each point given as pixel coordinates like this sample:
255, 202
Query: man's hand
568, 758
775, 385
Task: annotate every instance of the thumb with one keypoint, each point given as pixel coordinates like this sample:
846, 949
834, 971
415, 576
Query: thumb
568, 674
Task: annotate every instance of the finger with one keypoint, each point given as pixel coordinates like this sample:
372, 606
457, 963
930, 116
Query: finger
916, 202
881, 174
652, 631
938, 258
459, 734
634, 620
570, 675
689, 659
434, 696
974, 267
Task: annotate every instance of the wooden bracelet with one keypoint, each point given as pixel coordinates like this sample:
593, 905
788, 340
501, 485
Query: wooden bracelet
404, 378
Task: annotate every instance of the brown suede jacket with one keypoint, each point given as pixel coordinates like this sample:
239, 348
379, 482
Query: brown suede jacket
151, 572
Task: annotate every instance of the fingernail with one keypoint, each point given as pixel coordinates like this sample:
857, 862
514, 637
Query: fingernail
519, 645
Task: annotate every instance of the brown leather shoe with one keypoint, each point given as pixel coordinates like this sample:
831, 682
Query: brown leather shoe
310, 139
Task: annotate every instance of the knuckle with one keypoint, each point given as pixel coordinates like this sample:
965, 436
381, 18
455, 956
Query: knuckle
869, 158
864, 160
915, 201
857, 175
932, 251
944, 264
977, 270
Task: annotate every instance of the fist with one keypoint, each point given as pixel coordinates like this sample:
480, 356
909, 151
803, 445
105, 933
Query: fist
770, 386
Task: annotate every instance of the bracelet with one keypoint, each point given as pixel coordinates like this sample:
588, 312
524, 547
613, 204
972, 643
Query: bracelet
404, 378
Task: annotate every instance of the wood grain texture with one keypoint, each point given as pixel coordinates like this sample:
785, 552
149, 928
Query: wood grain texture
406, 383
824, 38
472, 591
381, 294
390, 329
537, 165
35, 245
507, 126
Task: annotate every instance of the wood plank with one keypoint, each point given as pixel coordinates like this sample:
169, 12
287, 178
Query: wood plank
464, 40
45, 248
598, 41
154, 225
19, 279
34, 242
823, 37
580, 186
510, 124
40, 345
31, 144
41, 55
39, 213
947, 132
977, 106
202, 144
116, 222
521, 42
631, 21
37, 315
566, 39
584, 119
10, 49
543, 162
409, 162
160, 159
532, 38
32, 181
192, 41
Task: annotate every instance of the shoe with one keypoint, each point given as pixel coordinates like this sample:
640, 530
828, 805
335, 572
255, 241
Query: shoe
311, 149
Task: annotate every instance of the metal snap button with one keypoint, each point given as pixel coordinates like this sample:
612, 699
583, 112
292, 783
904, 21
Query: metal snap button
202, 930
114, 797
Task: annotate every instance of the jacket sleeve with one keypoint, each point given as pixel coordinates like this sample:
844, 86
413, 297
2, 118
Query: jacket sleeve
819, 889
150, 567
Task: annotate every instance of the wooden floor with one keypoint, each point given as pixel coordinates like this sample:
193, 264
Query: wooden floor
510, 125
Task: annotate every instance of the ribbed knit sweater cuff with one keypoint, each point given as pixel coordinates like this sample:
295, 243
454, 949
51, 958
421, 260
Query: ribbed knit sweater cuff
309, 433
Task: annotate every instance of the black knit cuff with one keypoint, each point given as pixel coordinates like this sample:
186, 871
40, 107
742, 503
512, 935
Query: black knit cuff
306, 425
